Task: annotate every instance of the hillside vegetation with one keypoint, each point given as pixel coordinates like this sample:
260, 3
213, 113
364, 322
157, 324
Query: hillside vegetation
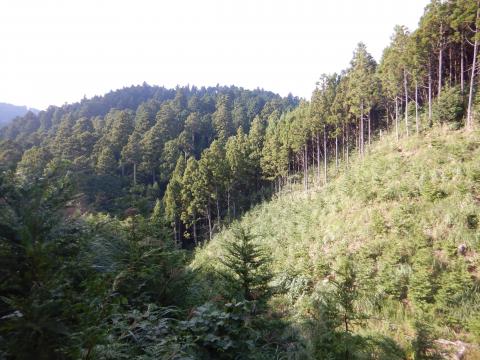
341, 227
406, 217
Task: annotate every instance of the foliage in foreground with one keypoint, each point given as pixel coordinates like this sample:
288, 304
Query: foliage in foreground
95, 287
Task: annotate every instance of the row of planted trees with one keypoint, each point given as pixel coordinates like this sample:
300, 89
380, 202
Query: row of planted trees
221, 184
419, 75
427, 76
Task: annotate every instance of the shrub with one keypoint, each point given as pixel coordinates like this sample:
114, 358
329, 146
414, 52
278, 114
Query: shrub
422, 282
248, 266
448, 107
422, 344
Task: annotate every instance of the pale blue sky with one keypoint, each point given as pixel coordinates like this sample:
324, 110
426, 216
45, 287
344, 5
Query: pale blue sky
57, 51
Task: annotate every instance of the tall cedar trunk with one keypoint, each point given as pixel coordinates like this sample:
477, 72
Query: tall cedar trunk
209, 218
313, 159
472, 76
288, 167
386, 107
318, 157
406, 98
429, 94
450, 66
440, 64
297, 162
462, 81
361, 129
336, 151
396, 117
325, 153
417, 125
347, 151
369, 128
195, 240
305, 166
134, 173
357, 137
175, 232
228, 203
217, 200
306, 161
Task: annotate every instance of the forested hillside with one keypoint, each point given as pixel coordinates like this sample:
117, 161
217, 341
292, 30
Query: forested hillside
127, 146
8, 112
383, 261
340, 227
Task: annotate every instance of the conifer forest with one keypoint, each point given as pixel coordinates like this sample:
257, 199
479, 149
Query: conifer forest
225, 223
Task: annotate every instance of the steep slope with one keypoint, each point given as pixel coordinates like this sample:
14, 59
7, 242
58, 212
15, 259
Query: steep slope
406, 215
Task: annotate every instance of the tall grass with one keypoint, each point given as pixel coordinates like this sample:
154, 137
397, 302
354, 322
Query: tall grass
402, 211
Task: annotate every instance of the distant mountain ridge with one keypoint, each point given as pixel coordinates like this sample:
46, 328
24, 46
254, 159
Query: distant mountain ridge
8, 112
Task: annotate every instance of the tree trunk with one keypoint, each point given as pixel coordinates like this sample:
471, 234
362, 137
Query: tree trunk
440, 64
417, 125
357, 136
396, 117
369, 128
134, 174
361, 129
175, 233
195, 240
462, 81
228, 203
469, 124
429, 95
305, 166
318, 157
313, 160
406, 99
450, 66
325, 153
386, 108
336, 152
209, 218
217, 200
347, 152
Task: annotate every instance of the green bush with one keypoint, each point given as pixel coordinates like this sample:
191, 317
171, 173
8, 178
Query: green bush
448, 107
422, 345
422, 281
247, 266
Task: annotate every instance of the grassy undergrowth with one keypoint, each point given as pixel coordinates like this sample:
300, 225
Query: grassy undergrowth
407, 216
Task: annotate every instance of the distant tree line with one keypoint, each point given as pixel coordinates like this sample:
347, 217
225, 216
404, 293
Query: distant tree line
132, 146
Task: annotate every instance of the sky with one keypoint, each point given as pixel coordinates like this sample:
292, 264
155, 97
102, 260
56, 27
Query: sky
58, 51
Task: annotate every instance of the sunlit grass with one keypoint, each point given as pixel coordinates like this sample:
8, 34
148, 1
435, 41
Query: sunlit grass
420, 192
